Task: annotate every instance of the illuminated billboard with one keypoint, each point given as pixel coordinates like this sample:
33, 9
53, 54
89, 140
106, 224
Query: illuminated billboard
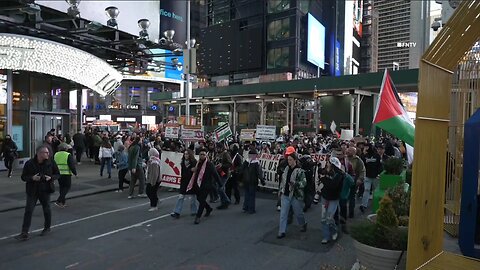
315, 42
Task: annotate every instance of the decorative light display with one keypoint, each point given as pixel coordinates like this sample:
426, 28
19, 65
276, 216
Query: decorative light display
19, 52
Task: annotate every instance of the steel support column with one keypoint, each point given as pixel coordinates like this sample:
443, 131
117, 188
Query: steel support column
9, 101
352, 110
234, 117
357, 114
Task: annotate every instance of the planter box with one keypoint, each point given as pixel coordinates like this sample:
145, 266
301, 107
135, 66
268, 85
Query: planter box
379, 259
390, 180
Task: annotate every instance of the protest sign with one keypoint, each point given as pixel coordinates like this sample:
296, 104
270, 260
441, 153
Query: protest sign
320, 159
267, 133
171, 169
247, 135
269, 165
346, 135
172, 131
192, 134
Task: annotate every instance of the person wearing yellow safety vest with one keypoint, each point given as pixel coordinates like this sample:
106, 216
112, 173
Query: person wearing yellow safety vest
66, 166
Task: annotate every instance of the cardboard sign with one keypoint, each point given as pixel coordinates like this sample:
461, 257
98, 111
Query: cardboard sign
269, 165
223, 132
247, 135
320, 159
268, 133
172, 132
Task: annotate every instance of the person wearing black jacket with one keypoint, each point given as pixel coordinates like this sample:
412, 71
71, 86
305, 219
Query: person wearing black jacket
79, 145
373, 167
308, 164
252, 172
188, 164
332, 179
39, 174
202, 182
9, 153
232, 183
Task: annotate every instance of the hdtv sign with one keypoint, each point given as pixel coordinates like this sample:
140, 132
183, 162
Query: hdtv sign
315, 42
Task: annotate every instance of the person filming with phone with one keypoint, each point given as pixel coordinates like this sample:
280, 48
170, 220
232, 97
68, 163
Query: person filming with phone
39, 175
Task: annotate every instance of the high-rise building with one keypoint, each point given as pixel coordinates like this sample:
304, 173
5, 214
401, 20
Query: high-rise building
369, 41
248, 38
403, 31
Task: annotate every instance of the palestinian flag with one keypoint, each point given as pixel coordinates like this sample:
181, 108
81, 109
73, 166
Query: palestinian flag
390, 114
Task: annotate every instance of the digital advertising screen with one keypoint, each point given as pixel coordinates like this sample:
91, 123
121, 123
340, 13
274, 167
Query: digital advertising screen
316, 42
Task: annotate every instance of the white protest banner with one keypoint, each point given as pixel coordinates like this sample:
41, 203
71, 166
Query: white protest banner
269, 165
192, 135
170, 169
333, 127
172, 132
268, 133
346, 135
247, 135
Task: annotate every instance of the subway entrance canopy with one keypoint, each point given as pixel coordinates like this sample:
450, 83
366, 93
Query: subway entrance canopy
405, 81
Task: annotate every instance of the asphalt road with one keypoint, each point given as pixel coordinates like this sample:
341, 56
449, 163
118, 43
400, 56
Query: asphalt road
108, 231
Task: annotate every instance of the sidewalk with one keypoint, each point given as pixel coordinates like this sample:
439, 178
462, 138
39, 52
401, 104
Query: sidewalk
12, 190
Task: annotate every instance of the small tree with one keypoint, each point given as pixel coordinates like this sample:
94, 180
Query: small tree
393, 166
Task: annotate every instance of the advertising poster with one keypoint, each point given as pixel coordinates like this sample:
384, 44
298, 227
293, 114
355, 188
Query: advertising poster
17, 137
173, 16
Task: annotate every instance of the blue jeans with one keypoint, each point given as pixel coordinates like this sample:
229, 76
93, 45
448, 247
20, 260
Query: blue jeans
328, 222
107, 161
249, 200
297, 207
193, 204
221, 191
367, 183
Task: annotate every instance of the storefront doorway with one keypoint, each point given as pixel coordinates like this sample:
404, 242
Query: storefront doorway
42, 123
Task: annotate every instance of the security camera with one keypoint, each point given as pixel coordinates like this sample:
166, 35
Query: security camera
436, 25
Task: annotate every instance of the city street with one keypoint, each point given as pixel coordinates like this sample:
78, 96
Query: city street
108, 231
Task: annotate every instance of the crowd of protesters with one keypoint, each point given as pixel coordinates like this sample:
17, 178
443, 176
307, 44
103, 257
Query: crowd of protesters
351, 172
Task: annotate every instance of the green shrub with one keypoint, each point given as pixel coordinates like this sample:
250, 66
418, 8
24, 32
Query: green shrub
393, 166
400, 199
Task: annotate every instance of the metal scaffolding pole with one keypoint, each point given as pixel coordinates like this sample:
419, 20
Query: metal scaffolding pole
234, 117
291, 115
201, 114
262, 113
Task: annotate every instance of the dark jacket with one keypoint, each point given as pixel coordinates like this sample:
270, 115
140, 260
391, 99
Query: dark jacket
223, 163
252, 172
373, 165
31, 168
332, 185
186, 176
9, 149
210, 176
79, 140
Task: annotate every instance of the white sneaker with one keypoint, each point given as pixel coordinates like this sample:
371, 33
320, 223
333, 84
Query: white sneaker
130, 197
279, 208
142, 195
79, 163
324, 241
152, 209
334, 236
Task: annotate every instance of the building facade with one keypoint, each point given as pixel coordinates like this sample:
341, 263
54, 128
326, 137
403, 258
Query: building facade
369, 41
403, 32
246, 39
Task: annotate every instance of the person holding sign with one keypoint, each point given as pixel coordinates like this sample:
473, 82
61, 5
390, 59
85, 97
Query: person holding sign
252, 172
292, 187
